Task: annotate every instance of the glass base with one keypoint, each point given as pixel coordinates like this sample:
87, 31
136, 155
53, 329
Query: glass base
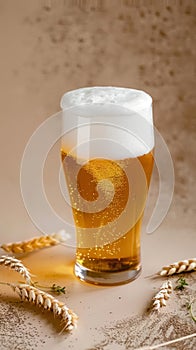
106, 278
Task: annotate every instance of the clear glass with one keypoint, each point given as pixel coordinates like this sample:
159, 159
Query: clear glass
107, 155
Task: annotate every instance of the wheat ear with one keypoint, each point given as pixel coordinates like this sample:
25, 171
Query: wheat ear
178, 267
36, 243
16, 265
48, 302
161, 297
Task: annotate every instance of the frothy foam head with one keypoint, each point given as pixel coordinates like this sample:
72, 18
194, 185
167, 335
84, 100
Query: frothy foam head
108, 122
129, 98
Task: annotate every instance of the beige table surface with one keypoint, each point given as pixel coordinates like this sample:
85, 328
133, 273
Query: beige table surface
48, 48
106, 314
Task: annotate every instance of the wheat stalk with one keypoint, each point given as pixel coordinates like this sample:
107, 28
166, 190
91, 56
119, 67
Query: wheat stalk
162, 296
36, 243
178, 267
157, 346
47, 302
16, 265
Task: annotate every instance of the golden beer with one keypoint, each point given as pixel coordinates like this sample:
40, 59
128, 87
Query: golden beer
123, 253
107, 157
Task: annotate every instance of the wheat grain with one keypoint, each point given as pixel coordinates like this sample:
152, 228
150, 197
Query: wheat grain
16, 265
36, 243
178, 267
47, 302
162, 296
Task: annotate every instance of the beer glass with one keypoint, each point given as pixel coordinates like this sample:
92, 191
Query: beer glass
107, 156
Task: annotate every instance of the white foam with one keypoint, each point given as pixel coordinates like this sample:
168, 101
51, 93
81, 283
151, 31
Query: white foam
107, 122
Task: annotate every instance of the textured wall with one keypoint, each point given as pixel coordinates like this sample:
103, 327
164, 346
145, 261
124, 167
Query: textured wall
50, 47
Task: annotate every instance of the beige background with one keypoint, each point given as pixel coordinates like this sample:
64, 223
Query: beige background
50, 47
